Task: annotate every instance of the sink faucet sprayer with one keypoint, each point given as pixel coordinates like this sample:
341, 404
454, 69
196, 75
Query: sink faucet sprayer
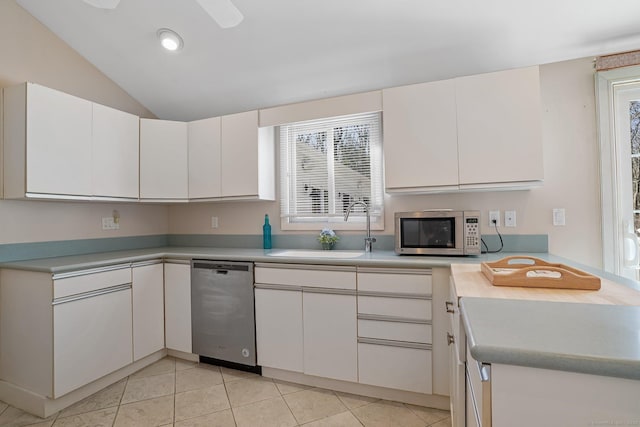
367, 240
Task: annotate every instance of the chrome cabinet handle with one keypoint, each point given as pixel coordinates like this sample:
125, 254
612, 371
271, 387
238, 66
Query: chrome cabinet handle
449, 306
450, 339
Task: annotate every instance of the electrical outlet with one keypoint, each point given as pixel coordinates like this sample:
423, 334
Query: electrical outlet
214, 222
509, 218
108, 223
494, 215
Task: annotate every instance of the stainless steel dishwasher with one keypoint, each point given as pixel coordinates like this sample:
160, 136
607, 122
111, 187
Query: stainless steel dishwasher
222, 312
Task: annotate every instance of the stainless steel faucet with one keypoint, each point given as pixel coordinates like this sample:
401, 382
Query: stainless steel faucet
367, 240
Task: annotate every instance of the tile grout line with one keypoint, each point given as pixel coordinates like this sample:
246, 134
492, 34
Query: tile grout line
287, 403
120, 402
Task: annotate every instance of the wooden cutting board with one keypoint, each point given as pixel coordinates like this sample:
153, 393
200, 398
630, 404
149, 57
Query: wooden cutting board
471, 282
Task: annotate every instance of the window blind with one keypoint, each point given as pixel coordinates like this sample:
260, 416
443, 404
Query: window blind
328, 164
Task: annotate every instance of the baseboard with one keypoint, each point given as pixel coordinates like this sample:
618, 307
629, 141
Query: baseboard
428, 400
43, 407
183, 355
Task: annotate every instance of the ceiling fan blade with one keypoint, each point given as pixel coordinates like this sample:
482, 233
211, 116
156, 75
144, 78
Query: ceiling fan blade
222, 11
103, 4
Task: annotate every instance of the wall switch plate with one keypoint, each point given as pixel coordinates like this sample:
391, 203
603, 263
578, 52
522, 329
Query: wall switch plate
494, 215
558, 216
509, 218
108, 223
214, 222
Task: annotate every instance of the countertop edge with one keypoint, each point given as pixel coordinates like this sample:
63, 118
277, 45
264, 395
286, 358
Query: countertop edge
602, 366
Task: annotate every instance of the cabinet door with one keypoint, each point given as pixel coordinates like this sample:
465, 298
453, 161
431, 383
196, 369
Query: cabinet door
204, 158
148, 310
177, 306
115, 145
279, 328
240, 166
58, 142
330, 336
499, 127
163, 160
420, 138
91, 338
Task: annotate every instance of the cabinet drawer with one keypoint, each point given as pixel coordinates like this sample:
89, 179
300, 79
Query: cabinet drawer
397, 331
398, 307
395, 367
396, 281
90, 280
307, 276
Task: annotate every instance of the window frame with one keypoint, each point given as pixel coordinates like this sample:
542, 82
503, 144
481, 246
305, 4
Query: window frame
613, 173
357, 219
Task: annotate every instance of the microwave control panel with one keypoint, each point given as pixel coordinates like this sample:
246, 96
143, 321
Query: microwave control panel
472, 235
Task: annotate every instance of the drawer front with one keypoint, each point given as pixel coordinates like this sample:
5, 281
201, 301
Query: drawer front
308, 276
90, 281
410, 282
398, 307
395, 367
397, 331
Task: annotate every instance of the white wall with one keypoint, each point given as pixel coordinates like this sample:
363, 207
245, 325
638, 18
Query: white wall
30, 52
571, 180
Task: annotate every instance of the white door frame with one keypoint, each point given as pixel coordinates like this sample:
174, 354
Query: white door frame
613, 214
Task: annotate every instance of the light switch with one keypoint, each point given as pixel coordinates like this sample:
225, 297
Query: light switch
214, 222
558, 216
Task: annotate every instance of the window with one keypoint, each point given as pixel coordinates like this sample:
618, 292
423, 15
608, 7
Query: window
619, 122
325, 165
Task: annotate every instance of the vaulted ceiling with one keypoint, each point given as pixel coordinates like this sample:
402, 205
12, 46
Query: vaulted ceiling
287, 51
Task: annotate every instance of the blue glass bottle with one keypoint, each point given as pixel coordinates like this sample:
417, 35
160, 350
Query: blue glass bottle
266, 233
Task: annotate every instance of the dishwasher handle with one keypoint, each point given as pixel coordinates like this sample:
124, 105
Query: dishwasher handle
220, 267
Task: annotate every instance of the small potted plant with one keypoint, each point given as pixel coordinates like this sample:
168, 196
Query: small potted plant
327, 238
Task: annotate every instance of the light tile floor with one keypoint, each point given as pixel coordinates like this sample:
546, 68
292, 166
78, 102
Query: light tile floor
173, 392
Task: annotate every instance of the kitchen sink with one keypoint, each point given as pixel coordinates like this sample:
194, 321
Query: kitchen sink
308, 253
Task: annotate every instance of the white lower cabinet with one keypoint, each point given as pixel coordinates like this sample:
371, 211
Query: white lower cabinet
330, 331
177, 305
148, 309
367, 325
395, 331
303, 326
279, 328
60, 332
91, 337
392, 366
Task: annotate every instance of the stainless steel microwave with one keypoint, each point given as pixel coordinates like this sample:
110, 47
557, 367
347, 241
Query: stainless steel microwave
437, 232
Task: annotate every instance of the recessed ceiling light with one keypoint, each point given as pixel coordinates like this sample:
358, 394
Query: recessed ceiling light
170, 40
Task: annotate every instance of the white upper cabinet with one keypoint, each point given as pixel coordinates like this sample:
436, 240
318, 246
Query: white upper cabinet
61, 146
499, 127
204, 158
247, 158
230, 158
115, 153
47, 143
420, 138
164, 172
476, 132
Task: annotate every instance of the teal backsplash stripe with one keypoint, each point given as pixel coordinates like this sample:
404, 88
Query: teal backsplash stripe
518, 242
512, 242
24, 251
